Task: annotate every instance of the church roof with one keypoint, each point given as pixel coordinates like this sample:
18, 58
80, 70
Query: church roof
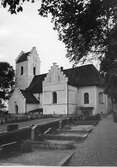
30, 99
36, 84
86, 75
23, 57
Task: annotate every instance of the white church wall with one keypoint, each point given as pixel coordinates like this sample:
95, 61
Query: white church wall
48, 106
21, 80
72, 99
91, 90
103, 106
33, 60
55, 109
16, 98
31, 107
55, 81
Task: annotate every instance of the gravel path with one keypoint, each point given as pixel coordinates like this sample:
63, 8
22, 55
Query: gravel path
37, 157
100, 148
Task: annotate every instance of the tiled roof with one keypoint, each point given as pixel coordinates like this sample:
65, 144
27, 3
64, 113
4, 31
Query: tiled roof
23, 57
86, 75
36, 84
30, 99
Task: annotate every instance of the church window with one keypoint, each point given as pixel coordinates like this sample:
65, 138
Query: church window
54, 97
22, 70
34, 70
16, 108
86, 98
101, 98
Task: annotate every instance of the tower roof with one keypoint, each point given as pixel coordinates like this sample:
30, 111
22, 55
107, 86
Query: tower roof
23, 57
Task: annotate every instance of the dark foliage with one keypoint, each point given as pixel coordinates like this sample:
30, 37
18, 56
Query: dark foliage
115, 116
83, 25
6, 80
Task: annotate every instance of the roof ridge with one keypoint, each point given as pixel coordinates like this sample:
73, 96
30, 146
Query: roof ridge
71, 69
86, 75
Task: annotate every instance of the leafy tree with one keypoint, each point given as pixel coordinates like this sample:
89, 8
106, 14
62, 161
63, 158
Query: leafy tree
83, 25
6, 80
109, 66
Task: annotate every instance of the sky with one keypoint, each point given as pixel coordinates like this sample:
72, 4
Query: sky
27, 29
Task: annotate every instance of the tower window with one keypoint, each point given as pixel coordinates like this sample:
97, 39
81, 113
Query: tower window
86, 98
34, 70
54, 97
22, 70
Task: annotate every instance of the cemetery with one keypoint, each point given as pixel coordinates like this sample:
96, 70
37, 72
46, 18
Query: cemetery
33, 145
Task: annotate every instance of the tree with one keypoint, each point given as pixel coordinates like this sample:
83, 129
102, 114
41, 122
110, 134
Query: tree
6, 80
83, 25
109, 66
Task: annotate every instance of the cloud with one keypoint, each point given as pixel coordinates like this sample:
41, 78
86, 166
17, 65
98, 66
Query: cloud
27, 29
5, 32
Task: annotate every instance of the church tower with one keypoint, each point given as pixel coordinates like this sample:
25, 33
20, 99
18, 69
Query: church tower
27, 66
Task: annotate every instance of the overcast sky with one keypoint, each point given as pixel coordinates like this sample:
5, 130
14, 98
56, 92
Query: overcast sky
28, 29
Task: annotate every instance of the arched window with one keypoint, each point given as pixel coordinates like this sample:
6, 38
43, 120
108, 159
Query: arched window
16, 108
101, 98
54, 97
34, 70
22, 70
86, 98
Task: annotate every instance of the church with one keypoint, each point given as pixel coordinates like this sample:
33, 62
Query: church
61, 91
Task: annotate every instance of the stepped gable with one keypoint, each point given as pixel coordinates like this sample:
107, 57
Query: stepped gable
30, 99
86, 75
23, 57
